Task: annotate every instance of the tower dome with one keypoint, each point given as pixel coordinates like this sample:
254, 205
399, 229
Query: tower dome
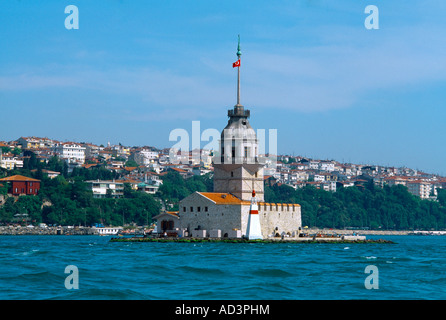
238, 143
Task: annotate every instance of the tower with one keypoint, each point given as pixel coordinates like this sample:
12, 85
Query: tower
237, 169
254, 230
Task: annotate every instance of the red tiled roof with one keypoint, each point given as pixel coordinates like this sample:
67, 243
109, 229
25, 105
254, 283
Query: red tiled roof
19, 178
222, 198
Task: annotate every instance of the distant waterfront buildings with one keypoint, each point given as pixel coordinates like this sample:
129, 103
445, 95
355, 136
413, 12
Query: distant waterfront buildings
294, 171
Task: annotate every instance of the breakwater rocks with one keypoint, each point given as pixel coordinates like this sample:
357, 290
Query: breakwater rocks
359, 231
278, 240
28, 230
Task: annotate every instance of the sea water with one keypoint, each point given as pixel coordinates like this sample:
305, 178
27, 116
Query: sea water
33, 267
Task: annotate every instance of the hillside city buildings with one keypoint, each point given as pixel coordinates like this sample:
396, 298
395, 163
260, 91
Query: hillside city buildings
151, 163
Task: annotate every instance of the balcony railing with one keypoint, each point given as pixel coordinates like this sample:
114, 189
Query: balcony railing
239, 113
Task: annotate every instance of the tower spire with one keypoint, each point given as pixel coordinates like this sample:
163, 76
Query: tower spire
239, 53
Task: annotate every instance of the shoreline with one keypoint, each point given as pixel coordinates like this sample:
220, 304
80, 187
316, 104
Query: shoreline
65, 230
359, 232
47, 231
238, 240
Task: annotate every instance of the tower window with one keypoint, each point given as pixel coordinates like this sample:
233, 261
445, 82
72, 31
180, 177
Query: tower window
206, 209
232, 174
198, 209
191, 209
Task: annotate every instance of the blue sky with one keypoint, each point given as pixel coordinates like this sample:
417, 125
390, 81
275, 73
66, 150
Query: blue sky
136, 70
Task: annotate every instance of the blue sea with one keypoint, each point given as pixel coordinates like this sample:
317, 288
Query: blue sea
33, 267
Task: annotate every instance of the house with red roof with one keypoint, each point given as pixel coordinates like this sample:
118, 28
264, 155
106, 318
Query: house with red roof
21, 185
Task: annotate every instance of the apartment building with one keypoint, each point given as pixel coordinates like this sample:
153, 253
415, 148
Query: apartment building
71, 152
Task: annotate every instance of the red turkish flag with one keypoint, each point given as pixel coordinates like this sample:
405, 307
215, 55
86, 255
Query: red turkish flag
236, 64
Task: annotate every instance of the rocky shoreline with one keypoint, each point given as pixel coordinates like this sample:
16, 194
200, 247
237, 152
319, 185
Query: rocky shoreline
21, 230
278, 240
358, 231
69, 230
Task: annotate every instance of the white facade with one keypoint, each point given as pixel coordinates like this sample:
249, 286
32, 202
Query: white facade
326, 166
105, 231
167, 222
8, 161
72, 152
100, 188
145, 157
92, 150
422, 189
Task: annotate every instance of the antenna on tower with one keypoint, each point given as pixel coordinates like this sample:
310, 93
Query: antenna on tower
239, 53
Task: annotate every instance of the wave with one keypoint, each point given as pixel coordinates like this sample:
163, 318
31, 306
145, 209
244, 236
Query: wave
272, 272
201, 271
102, 294
30, 252
42, 276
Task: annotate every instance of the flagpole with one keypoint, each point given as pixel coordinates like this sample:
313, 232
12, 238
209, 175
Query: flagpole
239, 53
238, 86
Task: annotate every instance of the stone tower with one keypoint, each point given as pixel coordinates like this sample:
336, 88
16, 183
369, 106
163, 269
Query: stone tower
236, 167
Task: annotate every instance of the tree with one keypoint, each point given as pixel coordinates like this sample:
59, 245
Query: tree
131, 163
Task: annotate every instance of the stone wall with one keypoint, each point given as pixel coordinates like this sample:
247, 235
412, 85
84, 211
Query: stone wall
274, 218
222, 217
239, 180
280, 218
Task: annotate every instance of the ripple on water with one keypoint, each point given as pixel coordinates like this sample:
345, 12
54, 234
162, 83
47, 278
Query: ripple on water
272, 272
33, 268
201, 271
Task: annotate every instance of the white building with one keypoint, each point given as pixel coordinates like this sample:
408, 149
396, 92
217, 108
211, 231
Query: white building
327, 166
313, 165
71, 152
101, 187
145, 157
92, 150
8, 161
168, 222
422, 189
106, 231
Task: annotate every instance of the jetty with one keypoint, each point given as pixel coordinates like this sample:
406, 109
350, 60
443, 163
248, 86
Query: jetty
245, 240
